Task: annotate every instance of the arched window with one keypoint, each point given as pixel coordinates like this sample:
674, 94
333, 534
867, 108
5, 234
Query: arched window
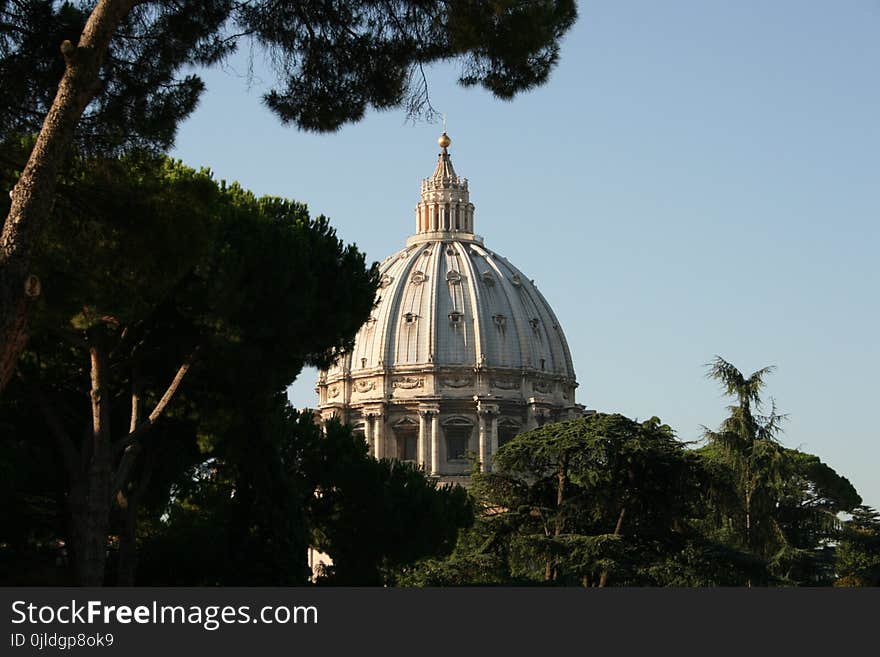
458, 431
406, 439
358, 431
507, 430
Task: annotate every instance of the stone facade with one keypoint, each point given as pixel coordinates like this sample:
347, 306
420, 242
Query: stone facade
461, 351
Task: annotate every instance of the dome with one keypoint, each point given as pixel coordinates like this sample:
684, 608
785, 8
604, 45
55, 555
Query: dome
461, 350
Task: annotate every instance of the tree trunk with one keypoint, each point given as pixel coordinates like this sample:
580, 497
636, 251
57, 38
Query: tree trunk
551, 571
93, 481
562, 481
129, 504
94, 511
603, 579
33, 194
90, 516
748, 519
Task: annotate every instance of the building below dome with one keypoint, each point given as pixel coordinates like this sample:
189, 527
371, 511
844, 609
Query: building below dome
461, 352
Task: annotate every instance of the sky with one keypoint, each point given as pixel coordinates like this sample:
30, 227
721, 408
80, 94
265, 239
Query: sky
697, 178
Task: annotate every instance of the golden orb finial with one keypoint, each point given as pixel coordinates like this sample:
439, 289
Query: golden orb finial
444, 140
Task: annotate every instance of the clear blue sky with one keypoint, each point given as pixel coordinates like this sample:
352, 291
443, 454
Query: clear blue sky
698, 177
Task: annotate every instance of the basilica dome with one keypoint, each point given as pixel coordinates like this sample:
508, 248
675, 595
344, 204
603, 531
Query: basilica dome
461, 351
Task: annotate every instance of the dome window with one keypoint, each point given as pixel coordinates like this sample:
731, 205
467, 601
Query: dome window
410, 318
450, 251
500, 320
363, 362
488, 279
453, 277
455, 317
385, 281
418, 277
516, 280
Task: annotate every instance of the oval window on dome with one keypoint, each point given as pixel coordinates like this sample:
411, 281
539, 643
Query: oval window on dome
453, 277
418, 277
488, 278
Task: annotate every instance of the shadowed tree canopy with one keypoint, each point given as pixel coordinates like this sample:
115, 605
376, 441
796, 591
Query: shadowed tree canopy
375, 517
170, 297
142, 92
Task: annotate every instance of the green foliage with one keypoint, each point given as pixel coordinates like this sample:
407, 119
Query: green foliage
598, 500
858, 554
144, 94
606, 500
148, 247
333, 60
778, 504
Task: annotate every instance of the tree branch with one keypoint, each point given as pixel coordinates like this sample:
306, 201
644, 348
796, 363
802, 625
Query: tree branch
151, 420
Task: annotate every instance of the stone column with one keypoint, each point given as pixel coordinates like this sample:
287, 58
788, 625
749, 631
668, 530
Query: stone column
422, 448
482, 450
534, 413
379, 439
435, 443
368, 431
488, 435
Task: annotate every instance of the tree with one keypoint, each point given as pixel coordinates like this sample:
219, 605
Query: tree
779, 504
334, 61
858, 554
808, 516
748, 440
375, 518
171, 294
264, 496
237, 515
589, 501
